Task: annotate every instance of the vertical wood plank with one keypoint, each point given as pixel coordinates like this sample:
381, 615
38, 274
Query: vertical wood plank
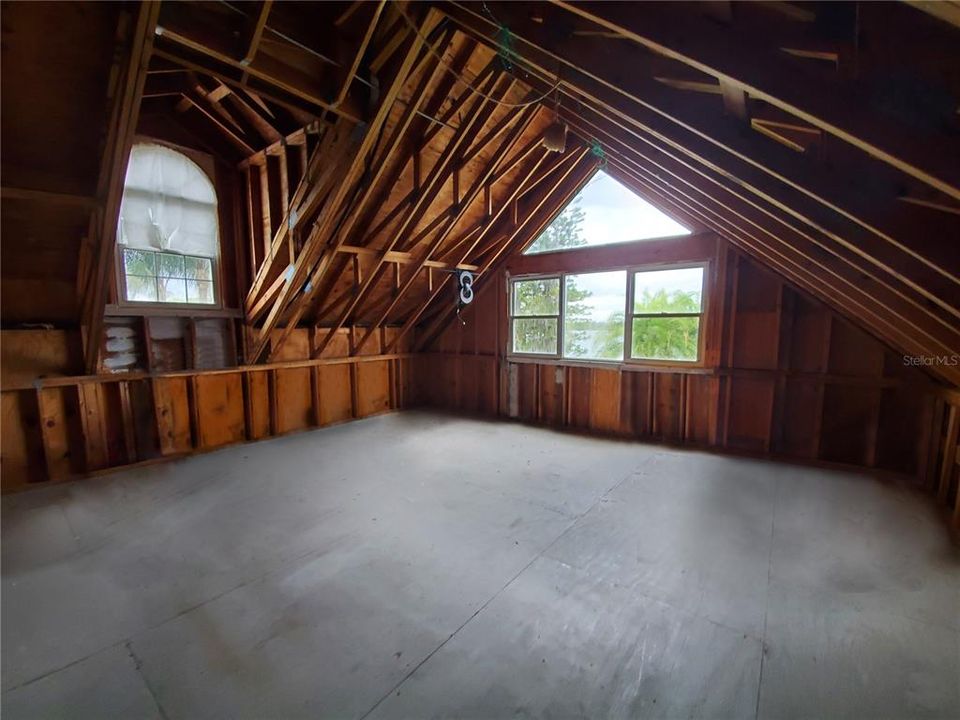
54, 433
949, 454
129, 428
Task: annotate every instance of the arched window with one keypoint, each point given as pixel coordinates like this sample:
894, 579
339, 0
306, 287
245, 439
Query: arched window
167, 237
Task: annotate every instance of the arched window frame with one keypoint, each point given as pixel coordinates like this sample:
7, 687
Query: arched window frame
212, 255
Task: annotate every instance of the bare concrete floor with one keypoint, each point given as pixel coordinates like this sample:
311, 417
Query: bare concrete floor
420, 565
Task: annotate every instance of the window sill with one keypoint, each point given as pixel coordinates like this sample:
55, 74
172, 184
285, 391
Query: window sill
171, 311
688, 368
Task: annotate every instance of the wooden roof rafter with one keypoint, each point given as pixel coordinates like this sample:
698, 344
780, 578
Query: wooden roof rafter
542, 206
733, 206
654, 151
240, 39
527, 182
631, 98
316, 255
745, 63
521, 122
378, 169
850, 227
432, 184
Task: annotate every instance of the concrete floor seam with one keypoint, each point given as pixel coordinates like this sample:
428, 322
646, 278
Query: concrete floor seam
766, 604
138, 666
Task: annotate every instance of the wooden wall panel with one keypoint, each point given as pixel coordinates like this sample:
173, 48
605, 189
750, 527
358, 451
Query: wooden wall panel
782, 376
849, 424
26, 355
220, 409
756, 319
810, 336
336, 404
605, 401
258, 404
339, 345
667, 406
373, 387
748, 421
552, 382
853, 352
799, 434
21, 450
579, 382
296, 347
294, 401
93, 421
55, 430
700, 406
900, 430
143, 419
172, 406
528, 392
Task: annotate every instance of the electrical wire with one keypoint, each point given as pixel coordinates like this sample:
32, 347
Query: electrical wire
505, 40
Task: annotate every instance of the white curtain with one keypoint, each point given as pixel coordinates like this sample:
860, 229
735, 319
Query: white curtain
168, 204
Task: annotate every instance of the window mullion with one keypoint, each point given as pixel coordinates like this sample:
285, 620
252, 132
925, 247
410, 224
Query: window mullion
628, 318
562, 314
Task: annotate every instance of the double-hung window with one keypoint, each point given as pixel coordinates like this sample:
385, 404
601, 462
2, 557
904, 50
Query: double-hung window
535, 316
168, 230
665, 314
651, 315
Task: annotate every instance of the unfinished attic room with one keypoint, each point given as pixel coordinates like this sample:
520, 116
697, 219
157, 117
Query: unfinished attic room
480, 360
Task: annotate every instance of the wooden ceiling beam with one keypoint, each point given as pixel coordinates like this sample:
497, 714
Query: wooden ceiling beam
885, 260
208, 110
231, 77
521, 123
349, 69
179, 31
842, 296
832, 105
946, 10
316, 252
386, 172
539, 212
223, 94
255, 27
473, 239
477, 115
318, 180
84, 202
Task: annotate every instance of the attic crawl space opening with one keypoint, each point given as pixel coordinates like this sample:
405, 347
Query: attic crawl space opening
605, 212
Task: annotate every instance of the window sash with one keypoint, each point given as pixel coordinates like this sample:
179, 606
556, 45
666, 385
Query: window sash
157, 276
628, 322
557, 317
631, 316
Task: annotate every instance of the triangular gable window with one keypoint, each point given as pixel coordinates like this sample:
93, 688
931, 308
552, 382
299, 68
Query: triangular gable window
605, 212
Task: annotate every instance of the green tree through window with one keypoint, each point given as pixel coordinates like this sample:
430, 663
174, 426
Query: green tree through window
566, 231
